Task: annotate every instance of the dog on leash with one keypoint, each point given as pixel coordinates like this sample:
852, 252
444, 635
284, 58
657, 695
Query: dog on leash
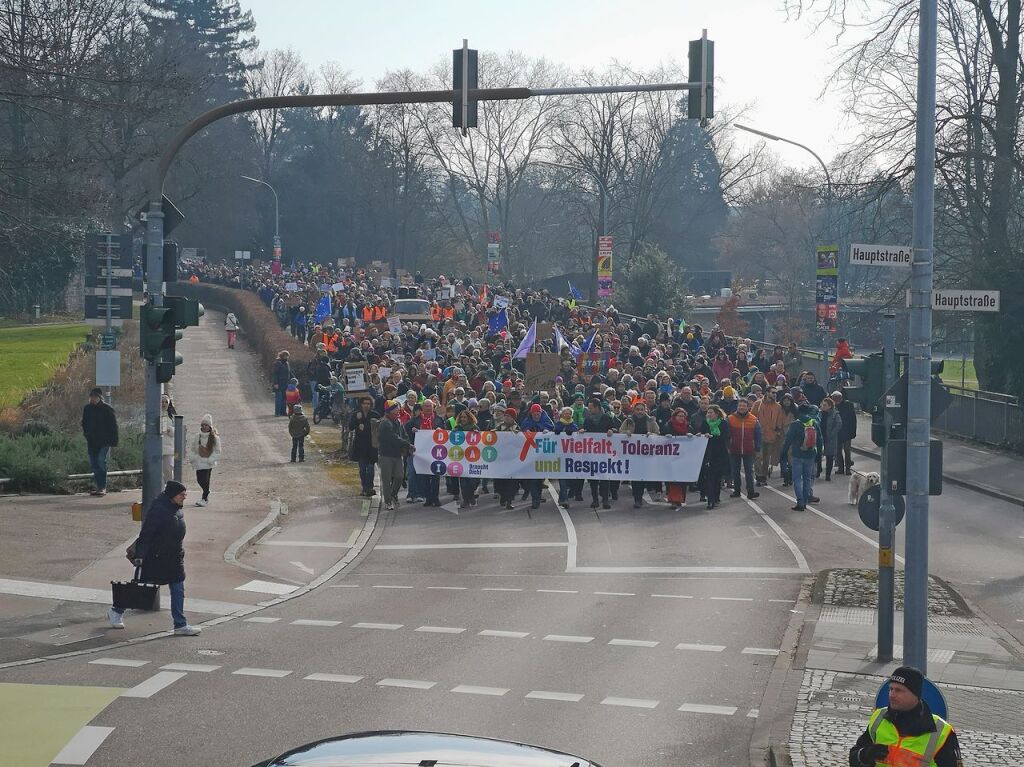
859, 482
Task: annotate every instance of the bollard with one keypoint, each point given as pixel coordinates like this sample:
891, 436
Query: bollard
179, 446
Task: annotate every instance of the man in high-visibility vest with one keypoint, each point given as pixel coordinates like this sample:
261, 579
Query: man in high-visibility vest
907, 733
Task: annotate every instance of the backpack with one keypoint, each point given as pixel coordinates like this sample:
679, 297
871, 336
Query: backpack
810, 435
375, 433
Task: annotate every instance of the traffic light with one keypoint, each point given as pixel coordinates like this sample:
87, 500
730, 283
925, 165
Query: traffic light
470, 65
157, 331
871, 371
170, 271
700, 102
185, 310
169, 359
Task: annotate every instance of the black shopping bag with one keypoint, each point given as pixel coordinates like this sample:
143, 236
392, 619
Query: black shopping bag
134, 595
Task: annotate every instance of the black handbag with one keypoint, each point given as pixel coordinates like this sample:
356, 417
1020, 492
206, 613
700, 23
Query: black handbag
135, 595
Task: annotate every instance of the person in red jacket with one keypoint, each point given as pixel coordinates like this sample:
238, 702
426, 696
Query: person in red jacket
842, 353
744, 443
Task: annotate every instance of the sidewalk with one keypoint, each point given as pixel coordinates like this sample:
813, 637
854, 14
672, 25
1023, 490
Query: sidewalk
59, 553
994, 472
833, 678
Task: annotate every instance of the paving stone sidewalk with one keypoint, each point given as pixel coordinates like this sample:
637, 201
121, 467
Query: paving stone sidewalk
980, 674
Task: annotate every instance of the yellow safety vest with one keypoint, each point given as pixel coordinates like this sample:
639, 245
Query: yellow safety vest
909, 751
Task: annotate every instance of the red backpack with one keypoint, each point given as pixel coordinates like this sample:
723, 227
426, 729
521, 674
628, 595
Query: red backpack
810, 435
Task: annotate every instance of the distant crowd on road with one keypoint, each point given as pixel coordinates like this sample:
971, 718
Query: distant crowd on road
760, 409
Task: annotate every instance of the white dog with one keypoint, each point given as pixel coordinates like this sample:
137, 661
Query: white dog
859, 482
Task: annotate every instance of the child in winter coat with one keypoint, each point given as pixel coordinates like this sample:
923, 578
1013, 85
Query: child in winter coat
298, 430
292, 395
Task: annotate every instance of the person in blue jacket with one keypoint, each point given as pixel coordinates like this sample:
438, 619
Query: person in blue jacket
536, 420
803, 444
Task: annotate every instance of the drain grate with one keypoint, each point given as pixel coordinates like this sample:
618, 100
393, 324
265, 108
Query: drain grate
850, 616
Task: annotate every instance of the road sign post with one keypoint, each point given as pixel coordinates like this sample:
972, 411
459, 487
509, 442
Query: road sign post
886, 514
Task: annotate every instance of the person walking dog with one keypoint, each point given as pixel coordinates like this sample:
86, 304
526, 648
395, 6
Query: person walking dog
204, 452
160, 555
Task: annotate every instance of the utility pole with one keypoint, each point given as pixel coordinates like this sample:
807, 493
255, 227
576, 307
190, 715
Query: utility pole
886, 513
152, 449
915, 616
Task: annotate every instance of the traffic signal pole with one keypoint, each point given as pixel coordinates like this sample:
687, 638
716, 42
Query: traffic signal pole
915, 616
886, 512
152, 474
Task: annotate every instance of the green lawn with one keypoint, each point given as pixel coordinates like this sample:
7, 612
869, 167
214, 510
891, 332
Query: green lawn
30, 355
952, 370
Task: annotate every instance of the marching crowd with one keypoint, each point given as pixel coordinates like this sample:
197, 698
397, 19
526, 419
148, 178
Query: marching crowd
757, 406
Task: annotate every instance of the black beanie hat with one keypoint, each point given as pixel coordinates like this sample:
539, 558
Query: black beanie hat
173, 487
909, 677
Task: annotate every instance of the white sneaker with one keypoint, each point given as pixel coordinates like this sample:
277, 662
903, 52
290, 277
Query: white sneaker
201, 502
188, 631
115, 618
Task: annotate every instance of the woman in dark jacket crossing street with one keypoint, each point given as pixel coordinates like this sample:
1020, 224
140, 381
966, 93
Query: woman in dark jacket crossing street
160, 556
716, 457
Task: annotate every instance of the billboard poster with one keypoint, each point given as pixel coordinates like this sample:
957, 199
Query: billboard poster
826, 289
604, 266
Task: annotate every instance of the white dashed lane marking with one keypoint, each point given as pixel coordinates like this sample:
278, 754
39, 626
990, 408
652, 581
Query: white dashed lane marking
119, 662
440, 629
615, 593
412, 684
565, 697
733, 599
275, 673
261, 619
632, 643
567, 638
630, 702
153, 685
505, 634
759, 651
700, 708
381, 626
310, 622
202, 668
672, 596
701, 647
473, 690
82, 745
345, 678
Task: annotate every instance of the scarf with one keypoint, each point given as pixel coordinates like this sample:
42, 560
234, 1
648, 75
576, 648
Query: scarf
715, 427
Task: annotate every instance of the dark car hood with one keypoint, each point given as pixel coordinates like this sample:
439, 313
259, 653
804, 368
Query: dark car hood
411, 749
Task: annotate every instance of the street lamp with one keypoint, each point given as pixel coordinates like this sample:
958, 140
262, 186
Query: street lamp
277, 216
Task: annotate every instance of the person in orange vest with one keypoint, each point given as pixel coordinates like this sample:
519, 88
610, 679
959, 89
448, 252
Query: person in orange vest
449, 313
368, 313
435, 312
331, 337
193, 279
379, 312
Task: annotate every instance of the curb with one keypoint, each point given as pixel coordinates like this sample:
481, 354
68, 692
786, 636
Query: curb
769, 744
278, 509
979, 487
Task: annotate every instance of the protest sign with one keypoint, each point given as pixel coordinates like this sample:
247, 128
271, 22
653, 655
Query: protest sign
594, 363
529, 455
394, 325
291, 287
429, 354
541, 369
501, 302
355, 377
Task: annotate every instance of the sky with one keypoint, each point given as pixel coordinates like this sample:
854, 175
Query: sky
775, 66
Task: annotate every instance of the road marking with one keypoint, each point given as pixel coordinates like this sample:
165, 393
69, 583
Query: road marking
797, 554
505, 634
305, 568
672, 596
471, 690
568, 638
267, 587
261, 619
153, 685
429, 546
414, 684
700, 708
344, 678
352, 537
615, 593
632, 643
307, 544
733, 599
118, 662
276, 673
82, 745
701, 647
570, 531
753, 713
835, 522
567, 697
201, 668
556, 591
446, 588
63, 593
311, 622
758, 651
783, 601
688, 570
630, 702
343, 586
382, 626
757, 533
385, 586
440, 629
499, 589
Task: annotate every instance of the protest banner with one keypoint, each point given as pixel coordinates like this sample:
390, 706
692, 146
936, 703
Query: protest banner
394, 324
541, 369
354, 375
594, 363
531, 455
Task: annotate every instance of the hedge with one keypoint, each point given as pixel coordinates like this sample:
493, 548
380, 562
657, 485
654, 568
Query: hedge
38, 460
259, 324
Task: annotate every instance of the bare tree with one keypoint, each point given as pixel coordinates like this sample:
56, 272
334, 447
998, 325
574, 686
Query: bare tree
281, 72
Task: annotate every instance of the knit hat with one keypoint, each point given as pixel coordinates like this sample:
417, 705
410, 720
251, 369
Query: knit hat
535, 409
511, 411
909, 677
208, 420
173, 488
729, 392
391, 405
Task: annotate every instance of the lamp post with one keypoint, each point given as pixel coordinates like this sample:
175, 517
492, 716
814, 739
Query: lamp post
277, 217
828, 195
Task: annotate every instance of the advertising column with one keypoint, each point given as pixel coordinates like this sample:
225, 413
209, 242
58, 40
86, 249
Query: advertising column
826, 310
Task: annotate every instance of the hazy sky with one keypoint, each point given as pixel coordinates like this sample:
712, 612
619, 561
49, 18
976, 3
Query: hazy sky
775, 65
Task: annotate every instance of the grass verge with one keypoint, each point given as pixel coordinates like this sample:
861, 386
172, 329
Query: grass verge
953, 369
31, 355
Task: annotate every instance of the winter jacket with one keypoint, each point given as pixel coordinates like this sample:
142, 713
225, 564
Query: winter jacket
231, 321
393, 440
362, 443
831, 426
281, 374
770, 416
159, 544
99, 425
200, 462
717, 453
544, 424
744, 434
601, 423
298, 425
849, 416
793, 444
814, 392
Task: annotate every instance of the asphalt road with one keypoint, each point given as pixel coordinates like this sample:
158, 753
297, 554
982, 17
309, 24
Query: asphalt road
636, 637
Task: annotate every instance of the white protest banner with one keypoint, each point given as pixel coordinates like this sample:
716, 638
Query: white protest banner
429, 354
338, 287
531, 455
384, 373
291, 287
354, 375
394, 324
501, 302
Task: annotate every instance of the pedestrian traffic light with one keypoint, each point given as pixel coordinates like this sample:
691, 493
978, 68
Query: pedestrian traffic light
186, 311
157, 331
871, 371
700, 102
169, 360
464, 65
